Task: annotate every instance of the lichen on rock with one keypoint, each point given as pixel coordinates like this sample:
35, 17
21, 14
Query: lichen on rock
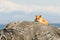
29, 31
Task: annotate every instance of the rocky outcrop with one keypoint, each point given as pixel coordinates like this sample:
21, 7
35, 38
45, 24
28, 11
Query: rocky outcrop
29, 31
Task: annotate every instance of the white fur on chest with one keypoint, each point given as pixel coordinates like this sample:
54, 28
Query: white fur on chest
40, 20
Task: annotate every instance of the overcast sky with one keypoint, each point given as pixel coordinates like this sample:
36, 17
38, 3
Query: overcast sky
19, 10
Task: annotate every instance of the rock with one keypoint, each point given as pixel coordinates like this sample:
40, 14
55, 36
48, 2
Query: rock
12, 24
29, 31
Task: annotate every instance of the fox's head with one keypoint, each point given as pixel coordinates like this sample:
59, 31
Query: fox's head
37, 18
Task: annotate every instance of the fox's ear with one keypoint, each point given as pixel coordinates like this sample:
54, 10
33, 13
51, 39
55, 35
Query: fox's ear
40, 15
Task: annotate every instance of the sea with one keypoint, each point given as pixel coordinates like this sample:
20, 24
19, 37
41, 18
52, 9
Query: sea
2, 26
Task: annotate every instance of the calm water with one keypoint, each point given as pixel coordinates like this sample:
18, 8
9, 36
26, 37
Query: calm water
2, 26
58, 25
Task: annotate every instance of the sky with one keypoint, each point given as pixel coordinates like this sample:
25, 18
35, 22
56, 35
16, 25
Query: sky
26, 10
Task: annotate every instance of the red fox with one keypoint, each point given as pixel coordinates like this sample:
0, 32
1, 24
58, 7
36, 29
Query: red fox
41, 20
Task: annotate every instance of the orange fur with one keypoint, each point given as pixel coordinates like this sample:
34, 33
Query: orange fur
41, 20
